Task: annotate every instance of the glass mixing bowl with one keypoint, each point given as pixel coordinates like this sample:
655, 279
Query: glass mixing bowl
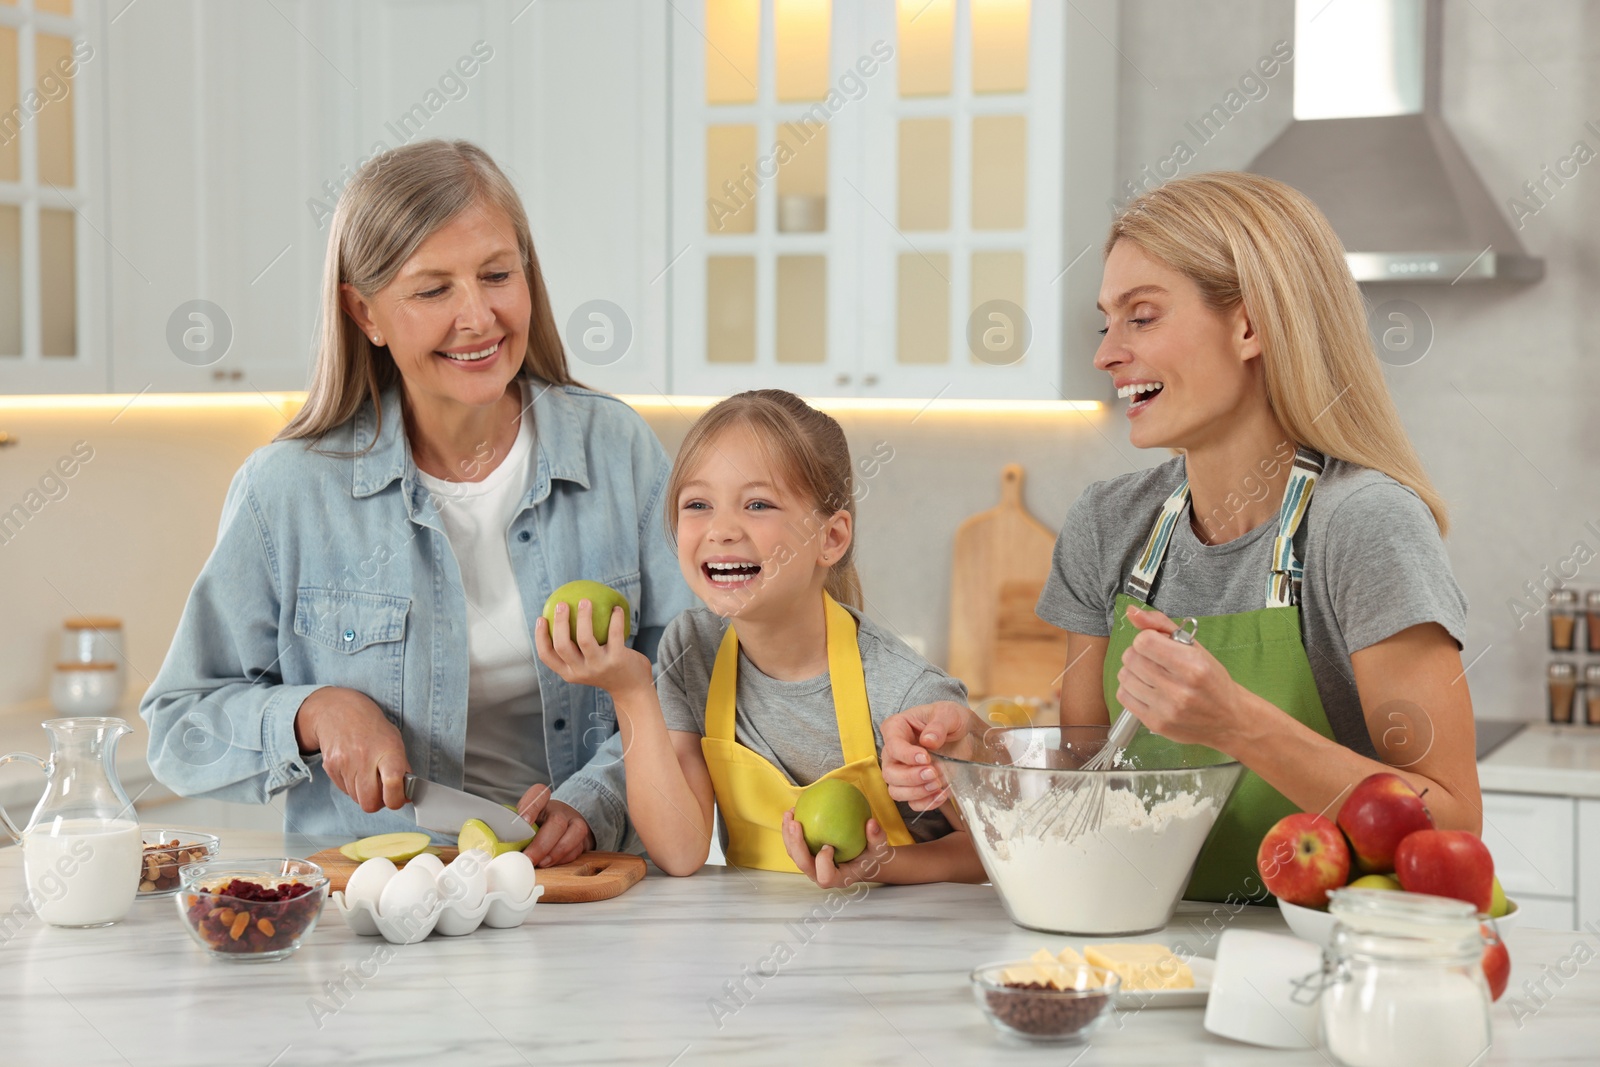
1059, 864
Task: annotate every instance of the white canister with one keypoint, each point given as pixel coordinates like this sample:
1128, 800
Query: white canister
91, 639
90, 642
1403, 981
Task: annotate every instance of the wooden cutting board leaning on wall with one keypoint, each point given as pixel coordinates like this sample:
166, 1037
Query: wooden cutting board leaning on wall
998, 646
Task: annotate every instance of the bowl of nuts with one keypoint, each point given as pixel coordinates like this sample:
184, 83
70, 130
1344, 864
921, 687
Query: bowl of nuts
1046, 1010
165, 851
251, 910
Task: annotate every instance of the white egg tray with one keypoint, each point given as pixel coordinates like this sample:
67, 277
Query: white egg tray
447, 918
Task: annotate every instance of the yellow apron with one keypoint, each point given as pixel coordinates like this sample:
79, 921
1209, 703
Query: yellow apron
752, 794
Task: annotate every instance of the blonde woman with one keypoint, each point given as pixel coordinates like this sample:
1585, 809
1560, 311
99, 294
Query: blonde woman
368, 609
1309, 535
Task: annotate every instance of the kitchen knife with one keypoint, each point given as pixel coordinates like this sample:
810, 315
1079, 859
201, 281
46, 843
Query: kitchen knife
442, 809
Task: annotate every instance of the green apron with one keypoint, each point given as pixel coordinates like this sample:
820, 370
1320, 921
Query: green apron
1262, 650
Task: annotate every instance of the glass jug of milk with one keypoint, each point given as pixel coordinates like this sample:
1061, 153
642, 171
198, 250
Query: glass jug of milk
81, 847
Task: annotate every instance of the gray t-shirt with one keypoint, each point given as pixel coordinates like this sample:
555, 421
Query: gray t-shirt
792, 724
1374, 565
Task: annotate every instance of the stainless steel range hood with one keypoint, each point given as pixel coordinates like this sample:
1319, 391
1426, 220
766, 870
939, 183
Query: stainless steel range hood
1368, 144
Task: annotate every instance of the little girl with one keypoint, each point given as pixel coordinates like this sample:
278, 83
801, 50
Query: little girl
780, 680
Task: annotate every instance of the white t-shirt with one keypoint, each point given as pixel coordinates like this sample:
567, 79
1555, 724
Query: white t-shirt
505, 717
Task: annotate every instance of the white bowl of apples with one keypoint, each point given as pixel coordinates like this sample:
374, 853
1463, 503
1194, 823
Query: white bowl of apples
1310, 924
1384, 839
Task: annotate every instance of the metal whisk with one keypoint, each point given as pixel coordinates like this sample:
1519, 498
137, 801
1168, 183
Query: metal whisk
1086, 814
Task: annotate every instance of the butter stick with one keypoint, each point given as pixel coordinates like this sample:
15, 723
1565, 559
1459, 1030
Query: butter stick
1142, 967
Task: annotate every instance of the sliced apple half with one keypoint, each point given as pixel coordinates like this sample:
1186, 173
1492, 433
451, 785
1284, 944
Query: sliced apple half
397, 847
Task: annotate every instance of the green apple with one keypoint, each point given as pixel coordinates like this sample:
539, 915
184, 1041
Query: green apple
475, 834
1498, 904
834, 812
603, 597
1376, 881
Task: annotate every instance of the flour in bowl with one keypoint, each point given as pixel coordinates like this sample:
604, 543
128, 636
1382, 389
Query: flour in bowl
1122, 879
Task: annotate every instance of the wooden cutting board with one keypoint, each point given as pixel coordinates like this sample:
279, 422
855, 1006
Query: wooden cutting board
592, 876
998, 646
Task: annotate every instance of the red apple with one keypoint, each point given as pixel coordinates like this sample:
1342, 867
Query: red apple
1496, 964
1302, 857
1447, 863
1377, 815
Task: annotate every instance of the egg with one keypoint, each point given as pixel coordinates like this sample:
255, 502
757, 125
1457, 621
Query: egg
512, 874
427, 861
465, 881
368, 881
410, 892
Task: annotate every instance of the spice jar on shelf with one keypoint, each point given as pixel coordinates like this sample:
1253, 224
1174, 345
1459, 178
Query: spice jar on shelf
1563, 620
1591, 694
1561, 679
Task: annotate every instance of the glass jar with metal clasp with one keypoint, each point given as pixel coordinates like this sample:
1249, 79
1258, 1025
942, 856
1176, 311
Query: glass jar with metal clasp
1402, 981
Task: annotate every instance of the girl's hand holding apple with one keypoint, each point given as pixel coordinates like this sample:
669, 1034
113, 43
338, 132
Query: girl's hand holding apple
612, 666
822, 869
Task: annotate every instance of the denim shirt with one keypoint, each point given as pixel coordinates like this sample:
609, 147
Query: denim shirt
336, 570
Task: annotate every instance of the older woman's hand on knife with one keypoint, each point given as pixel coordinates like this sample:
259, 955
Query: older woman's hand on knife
362, 751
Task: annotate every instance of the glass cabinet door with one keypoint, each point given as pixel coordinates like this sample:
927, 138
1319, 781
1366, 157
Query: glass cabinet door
49, 339
973, 168
867, 197
762, 283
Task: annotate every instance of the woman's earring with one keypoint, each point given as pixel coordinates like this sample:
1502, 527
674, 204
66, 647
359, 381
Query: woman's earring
375, 339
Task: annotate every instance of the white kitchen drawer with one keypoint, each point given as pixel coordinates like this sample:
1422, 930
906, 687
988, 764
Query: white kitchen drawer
1588, 861
1532, 841
1545, 913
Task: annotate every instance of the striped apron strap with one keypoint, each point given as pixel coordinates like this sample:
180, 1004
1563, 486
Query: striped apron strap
1143, 576
1283, 584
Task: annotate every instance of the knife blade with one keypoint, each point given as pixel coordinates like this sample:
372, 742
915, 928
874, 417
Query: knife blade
442, 809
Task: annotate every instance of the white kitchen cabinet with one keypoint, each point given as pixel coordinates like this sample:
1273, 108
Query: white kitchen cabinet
1537, 851
1588, 862
588, 152
214, 148
233, 128
1545, 913
1531, 839
569, 98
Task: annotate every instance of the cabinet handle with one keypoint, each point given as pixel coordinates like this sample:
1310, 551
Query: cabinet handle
871, 379
843, 379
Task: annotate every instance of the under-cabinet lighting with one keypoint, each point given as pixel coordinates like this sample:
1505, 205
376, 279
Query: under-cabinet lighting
145, 401
884, 405
651, 402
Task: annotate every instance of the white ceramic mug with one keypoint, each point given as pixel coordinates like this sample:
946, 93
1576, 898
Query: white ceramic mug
1261, 990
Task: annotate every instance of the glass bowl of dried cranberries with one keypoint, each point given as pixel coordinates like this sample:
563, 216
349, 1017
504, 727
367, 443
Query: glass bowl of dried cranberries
251, 910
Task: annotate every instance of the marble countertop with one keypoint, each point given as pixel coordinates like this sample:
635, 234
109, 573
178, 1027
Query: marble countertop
877, 976
1543, 758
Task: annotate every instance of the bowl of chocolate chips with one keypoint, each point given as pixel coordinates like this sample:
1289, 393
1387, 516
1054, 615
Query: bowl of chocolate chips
1044, 998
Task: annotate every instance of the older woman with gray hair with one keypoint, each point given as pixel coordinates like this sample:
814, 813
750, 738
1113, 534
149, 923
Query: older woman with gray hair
369, 607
